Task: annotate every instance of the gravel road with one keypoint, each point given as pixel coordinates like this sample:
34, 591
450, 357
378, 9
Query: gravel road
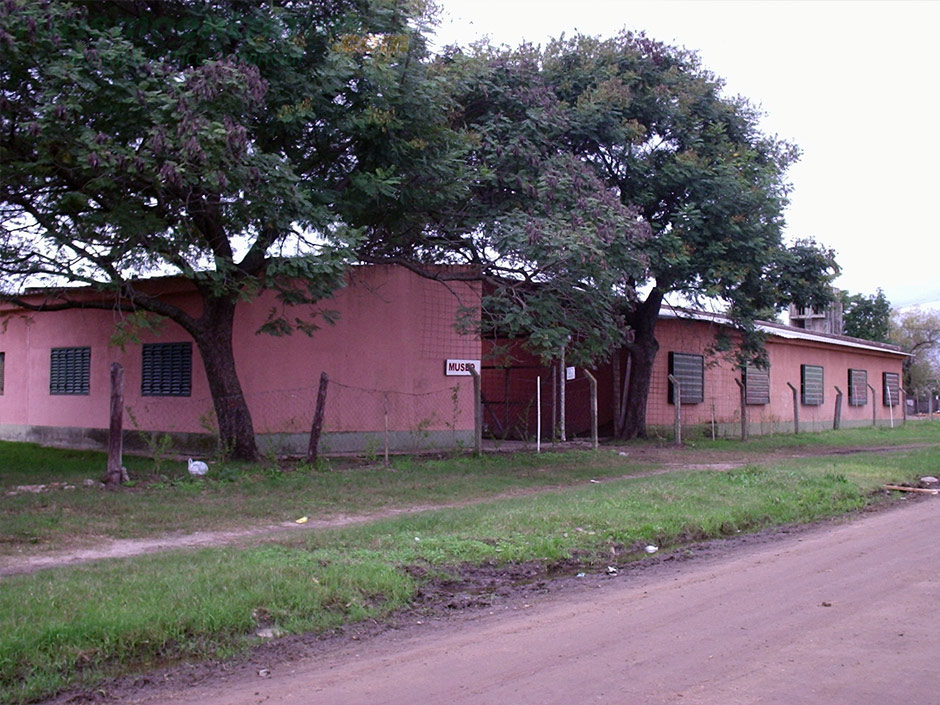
846, 614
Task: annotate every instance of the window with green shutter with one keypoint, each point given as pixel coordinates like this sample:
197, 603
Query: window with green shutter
858, 387
756, 385
811, 377
891, 388
166, 370
69, 370
690, 371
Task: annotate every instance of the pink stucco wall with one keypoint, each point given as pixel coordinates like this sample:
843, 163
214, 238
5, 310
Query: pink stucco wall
509, 385
786, 356
394, 332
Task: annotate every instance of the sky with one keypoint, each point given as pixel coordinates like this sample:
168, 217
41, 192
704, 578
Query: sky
854, 84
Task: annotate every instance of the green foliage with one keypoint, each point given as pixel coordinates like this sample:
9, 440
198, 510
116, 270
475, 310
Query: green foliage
531, 219
867, 317
238, 146
917, 331
659, 131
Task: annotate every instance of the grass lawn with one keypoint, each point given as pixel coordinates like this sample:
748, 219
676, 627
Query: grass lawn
88, 622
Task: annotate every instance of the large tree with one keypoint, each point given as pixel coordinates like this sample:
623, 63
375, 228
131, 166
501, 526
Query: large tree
867, 317
659, 130
917, 331
552, 243
235, 144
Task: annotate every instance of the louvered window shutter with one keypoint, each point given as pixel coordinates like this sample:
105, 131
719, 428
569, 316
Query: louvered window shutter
166, 370
69, 370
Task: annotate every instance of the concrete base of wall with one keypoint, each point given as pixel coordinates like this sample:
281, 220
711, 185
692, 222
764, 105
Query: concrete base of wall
201, 444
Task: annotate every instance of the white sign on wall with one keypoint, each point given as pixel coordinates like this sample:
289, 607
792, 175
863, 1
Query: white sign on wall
460, 368
569, 373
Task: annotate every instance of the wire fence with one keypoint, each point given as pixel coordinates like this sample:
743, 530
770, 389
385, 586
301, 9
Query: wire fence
372, 420
356, 419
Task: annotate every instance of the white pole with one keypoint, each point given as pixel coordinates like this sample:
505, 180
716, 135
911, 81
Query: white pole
538, 414
890, 404
562, 380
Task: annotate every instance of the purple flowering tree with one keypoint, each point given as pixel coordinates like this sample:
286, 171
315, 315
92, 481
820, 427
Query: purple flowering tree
235, 145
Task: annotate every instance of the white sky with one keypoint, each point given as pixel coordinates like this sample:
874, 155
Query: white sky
854, 84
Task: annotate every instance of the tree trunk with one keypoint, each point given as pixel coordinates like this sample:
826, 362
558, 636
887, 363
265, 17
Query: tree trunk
643, 351
214, 340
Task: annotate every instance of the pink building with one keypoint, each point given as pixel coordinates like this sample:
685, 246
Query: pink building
386, 357
818, 365
397, 369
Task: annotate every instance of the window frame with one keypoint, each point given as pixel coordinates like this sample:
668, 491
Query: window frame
687, 396
162, 374
854, 384
3, 357
809, 394
756, 396
67, 363
889, 392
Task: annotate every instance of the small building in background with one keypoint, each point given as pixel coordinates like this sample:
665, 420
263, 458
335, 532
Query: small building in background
816, 319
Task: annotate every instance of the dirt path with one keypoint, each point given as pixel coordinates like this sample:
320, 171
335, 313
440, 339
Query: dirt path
667, 459
844, 613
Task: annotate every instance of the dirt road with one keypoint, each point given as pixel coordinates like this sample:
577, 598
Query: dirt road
844, 614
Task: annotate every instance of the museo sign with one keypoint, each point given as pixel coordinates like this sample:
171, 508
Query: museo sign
460, 368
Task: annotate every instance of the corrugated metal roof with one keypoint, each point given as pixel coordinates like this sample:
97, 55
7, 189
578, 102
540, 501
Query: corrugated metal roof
787, 332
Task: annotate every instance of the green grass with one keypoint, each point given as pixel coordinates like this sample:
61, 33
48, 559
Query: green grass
88, 622
239, 496
164, 499
912, 432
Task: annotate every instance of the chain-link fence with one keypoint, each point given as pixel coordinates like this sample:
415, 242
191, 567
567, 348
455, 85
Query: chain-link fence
356, 419
375, 421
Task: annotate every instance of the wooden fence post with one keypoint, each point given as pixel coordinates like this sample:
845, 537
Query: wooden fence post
317, 426
593, 382
796, 410
477, 413
116, 472
837, 417
902, 397
677, 400
743, 391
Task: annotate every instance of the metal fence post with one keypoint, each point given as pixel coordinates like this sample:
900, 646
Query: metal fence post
538, 414
593, 382
874, 404
385, 437
677, 399
743, 391
562, 383
837, 417
796, 410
